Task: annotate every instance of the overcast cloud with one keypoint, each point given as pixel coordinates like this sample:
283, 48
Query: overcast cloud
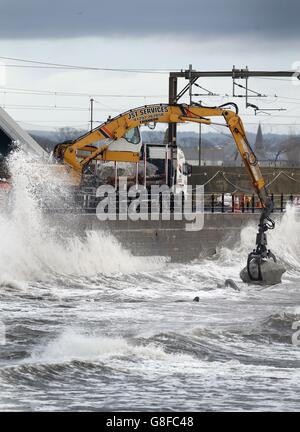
266, 19
162, 34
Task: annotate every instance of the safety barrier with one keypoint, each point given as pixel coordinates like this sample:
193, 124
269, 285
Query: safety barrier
243, 203
213, 203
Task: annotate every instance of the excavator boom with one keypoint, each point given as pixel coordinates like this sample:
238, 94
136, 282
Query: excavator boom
117, 127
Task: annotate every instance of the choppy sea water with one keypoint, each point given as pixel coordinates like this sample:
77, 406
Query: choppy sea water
90, 327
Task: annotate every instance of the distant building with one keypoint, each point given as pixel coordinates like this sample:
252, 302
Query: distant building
211, 153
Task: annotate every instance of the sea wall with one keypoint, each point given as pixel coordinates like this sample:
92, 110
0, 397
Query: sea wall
163, 238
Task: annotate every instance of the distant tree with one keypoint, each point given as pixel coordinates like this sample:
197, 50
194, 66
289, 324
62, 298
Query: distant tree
45, 142
291, 147
68, 133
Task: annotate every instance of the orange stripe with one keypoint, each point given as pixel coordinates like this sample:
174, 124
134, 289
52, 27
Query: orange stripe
107, 131
190, 114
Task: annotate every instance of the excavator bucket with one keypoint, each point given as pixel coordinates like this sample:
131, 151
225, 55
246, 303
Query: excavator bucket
262, 271
262, 266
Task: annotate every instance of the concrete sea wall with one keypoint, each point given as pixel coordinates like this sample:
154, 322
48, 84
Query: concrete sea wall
163, 238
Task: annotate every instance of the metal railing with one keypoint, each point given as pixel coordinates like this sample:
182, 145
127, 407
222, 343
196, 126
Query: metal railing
213, 202
242, 203
230, 163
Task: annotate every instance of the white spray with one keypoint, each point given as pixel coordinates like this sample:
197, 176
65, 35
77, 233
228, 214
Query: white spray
30, 250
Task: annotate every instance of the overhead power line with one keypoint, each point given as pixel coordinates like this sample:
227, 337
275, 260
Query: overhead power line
22, 91
68, 93
48, 65
49, 107
274, 79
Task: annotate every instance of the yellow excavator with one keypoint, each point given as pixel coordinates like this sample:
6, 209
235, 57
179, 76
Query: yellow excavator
118, 140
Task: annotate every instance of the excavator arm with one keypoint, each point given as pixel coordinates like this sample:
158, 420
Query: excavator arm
117, 128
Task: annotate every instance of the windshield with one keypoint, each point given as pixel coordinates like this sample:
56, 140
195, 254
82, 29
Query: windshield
133, 135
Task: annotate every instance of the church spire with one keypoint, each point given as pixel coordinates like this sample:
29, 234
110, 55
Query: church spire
259, 143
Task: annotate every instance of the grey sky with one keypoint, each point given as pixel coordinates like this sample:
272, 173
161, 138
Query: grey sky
156, 34
182, 19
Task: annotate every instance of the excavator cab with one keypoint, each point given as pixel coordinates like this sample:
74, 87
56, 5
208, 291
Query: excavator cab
131, 141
